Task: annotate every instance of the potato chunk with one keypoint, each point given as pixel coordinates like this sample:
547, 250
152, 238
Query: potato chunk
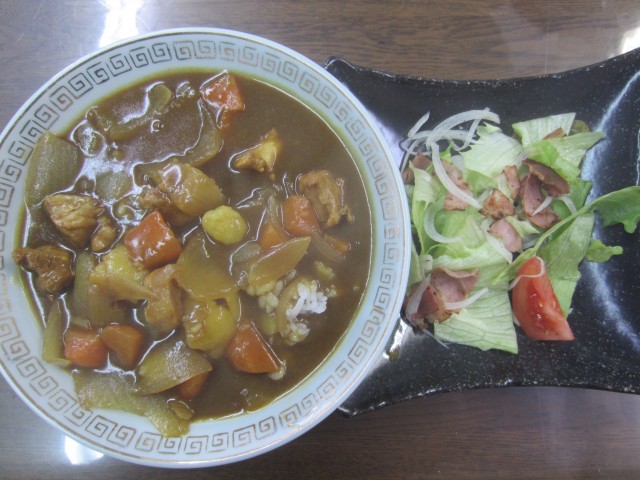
120, 277
192, 191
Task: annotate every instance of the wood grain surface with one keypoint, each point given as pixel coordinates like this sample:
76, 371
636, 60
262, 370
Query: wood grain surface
504, 433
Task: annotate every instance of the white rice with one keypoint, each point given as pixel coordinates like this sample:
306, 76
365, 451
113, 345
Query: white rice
310, 300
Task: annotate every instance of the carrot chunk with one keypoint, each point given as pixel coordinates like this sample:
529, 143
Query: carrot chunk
84, 348
125, 341
271, 235
249, 352
224, 95
222, 92
299, 217
152, 242
192, 387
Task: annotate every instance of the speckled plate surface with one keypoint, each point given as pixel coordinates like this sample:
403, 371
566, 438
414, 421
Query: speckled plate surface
605, 317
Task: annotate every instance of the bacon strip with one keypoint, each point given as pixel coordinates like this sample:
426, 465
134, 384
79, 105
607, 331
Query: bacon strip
513, 181
497, 205
451, 202
554, 184
419, 161
531, 199
446, 286
504, 231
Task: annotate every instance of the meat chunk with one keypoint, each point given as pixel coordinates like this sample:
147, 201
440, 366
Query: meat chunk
451, 202
513, 181
497, 205
164, 312
104, 234
557, 133
452, 285
446, 286
262, 157
50, 263
326, 195
419, 161
544, 219
553, 183
431, 309
504, 231
532, 198
75, 216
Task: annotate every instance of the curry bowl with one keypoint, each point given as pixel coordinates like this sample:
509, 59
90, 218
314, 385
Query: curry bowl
367, 237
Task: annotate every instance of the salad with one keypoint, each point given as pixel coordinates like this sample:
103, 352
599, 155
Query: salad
501, 224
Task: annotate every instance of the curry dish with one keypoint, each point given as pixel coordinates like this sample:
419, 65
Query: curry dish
196, 246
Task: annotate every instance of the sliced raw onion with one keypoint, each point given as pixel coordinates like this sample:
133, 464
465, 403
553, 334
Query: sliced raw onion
414, 300
447, 182
438, 132
495, 242
569, 203
470, 300
430, 228
545, 203
471, 133
543, 270
424, 119
446, 135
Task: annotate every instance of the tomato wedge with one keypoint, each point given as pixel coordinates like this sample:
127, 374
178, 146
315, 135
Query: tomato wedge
536, 306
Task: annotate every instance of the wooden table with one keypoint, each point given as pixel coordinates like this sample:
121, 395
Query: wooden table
505, 433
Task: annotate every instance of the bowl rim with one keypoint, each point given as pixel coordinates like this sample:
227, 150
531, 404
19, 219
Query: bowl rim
328, 407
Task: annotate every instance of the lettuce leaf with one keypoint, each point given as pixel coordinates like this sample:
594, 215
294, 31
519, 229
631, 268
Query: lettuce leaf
565, 154
562, 256
567, 243
598, 252
621, 206
426, 191
534, 130
485, 324
523, 227
490, 154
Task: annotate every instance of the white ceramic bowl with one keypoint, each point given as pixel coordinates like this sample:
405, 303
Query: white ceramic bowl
49, 391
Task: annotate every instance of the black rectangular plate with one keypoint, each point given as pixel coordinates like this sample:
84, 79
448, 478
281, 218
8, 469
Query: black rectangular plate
605, 315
